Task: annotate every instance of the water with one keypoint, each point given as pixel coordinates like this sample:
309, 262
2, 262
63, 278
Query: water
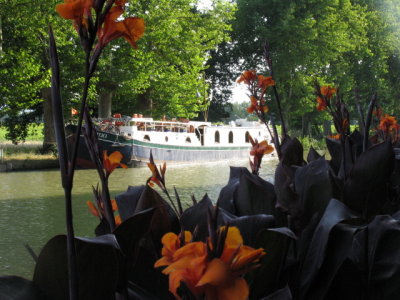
32, 205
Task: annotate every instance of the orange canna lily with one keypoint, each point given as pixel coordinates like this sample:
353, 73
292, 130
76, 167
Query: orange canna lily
327, 91
335, 136
76, 10
112, 161
322, 104
388, 123
117, 220
215, 277
132, 29
247, 77
264, 82
258, 150
156, 176
93, 209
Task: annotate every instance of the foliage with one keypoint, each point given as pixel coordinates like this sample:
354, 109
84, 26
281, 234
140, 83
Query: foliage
352, 44
166, 77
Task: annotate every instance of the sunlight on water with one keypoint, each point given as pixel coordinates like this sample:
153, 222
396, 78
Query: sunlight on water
32, 207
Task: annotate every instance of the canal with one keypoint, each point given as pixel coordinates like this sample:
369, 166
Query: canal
32, 205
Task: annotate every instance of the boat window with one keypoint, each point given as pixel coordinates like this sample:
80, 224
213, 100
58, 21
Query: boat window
188, 141
247, 137
230, 137
146, 138
216, 137
259, 133
166, 139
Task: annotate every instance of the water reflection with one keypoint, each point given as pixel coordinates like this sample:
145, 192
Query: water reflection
32, 207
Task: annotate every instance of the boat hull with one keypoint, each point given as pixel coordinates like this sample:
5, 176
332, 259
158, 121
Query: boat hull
141, 151
107, 141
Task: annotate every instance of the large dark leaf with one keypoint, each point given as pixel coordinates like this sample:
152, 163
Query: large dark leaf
17, 288
335, 150
365, 188
129, 233
312, 260
338, 248
250, 226
281, 294
313, 186
292, 152
164, 218
313, 155
225, 199
270, 276
254, 196
128, 201
99, 268
196, 217
284, 187
384, 258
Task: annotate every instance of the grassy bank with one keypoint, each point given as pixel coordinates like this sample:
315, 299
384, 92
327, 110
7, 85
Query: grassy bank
26, 155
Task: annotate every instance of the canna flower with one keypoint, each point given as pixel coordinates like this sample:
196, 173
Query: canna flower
388, 123
217, 277
264, 82
112, 161
156, 177
247, 77
322, 104
77, 10
258, 150
255, 107
335, 136
327, 91
100, 212
132, 29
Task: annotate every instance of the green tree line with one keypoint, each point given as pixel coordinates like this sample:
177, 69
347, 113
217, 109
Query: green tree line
189, 58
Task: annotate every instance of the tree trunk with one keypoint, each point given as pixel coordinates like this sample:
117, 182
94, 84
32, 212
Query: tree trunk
105, 100
361, 120
49, 135
1, 39
327, 128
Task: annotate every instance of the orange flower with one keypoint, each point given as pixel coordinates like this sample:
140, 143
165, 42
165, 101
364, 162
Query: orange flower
327, 91
118, 220
113, 161
322, 104
258, 150
388, 123
264, 82
93, 209
171, 243
247, 77
132, 29
156, 177
335, 137
255, 107
76, 10
215, 277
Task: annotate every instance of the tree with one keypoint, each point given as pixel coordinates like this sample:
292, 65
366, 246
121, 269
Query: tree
164, 76
24, 66
344, 43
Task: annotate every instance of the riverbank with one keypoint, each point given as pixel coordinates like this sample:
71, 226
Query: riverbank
25, 157
28, 164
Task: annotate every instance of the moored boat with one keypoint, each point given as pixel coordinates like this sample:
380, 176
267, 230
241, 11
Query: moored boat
177, 141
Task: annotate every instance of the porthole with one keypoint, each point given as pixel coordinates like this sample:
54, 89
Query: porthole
146, 138
230, 137
166, 139
188, 141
